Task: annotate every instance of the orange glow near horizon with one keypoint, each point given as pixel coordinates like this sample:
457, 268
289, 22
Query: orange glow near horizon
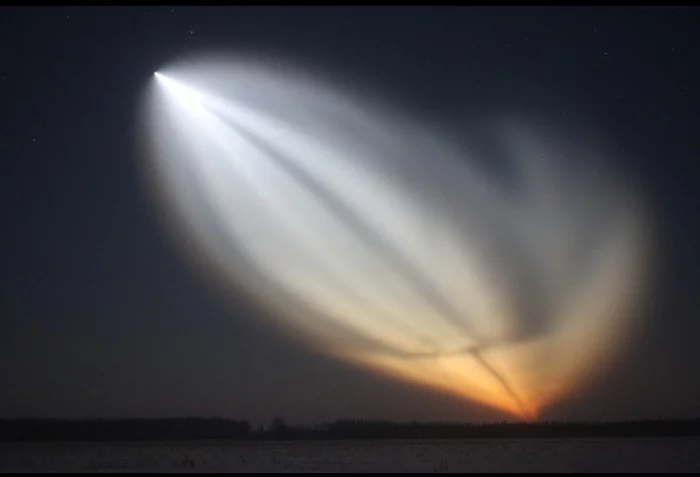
375, 240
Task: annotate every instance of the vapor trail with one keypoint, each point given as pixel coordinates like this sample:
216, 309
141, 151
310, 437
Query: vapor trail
387, 246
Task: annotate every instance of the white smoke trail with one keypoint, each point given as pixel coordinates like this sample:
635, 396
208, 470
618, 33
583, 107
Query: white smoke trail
382, 243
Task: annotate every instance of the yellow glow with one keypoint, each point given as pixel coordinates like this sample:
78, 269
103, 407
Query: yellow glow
379, 242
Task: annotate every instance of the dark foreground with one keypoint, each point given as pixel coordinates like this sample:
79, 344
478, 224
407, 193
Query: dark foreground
666, 454
200, 429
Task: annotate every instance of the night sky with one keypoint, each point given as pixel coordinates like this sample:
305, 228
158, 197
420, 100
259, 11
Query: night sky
100, 315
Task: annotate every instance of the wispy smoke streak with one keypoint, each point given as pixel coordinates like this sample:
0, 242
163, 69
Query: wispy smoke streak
408, 258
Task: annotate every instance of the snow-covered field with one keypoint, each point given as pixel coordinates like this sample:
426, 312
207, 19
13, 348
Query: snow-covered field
531, 455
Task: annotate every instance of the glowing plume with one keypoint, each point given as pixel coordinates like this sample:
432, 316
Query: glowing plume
378, 241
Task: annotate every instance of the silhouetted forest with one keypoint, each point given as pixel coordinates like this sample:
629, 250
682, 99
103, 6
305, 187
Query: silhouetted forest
206, 429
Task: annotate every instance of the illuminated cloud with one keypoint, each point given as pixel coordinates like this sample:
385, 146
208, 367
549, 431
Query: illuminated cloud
378, 241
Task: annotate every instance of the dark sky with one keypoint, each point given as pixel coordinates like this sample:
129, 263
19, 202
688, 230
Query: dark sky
101, 317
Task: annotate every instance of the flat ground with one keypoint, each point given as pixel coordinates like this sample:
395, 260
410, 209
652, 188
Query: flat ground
493, 455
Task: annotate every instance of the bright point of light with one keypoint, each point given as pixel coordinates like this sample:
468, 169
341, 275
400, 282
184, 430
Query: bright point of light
381, 243
186, 96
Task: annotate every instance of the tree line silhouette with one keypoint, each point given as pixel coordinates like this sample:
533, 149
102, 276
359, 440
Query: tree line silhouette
345, 429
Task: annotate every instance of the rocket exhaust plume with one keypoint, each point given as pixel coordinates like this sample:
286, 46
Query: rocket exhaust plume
378, 240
